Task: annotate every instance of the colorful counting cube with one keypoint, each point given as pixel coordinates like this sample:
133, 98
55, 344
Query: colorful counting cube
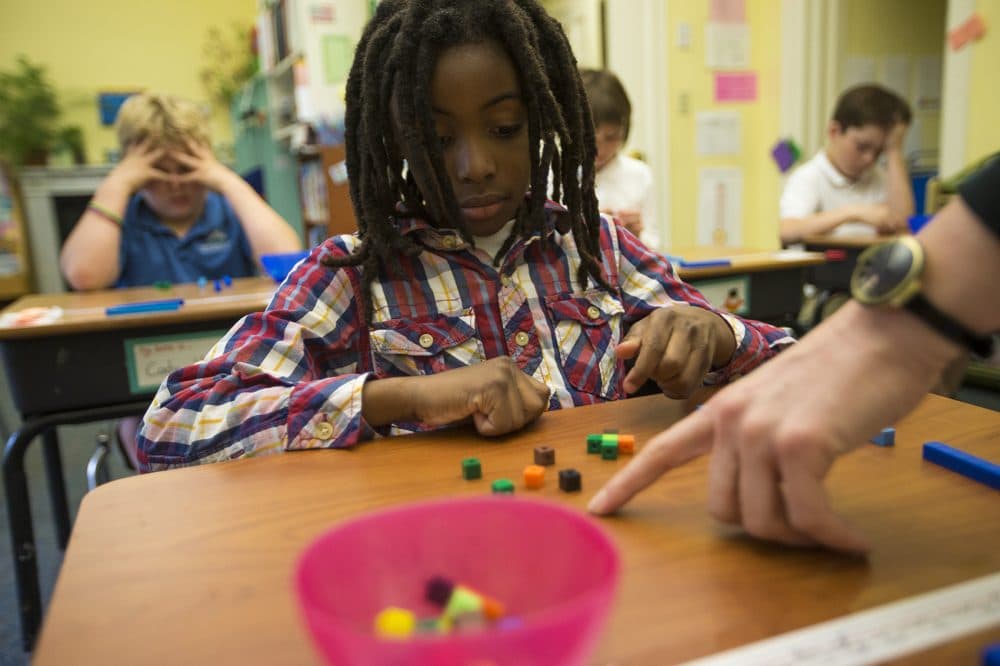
503, 486
569, 480
463, 601
594, 443
395, 622
471, 469
534, 476
626, 444
609, 450
885, 438
545, 455
438, 590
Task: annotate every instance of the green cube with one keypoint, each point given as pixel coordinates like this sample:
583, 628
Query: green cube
609, 450
609, 437
594, 443
503, 486
471, 469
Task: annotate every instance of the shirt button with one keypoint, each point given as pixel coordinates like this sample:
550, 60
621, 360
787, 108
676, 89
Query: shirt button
593, 312
521, 338
426, 340
324, 430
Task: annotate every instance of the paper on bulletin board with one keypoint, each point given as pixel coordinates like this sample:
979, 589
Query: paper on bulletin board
727, 11
718, 132
720, 206
337, 56
895, 74
727, 45
857, 70
736, 87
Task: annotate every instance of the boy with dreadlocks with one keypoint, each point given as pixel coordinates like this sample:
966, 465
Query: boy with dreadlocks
465, 295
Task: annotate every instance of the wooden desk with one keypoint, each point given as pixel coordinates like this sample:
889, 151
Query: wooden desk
87, 366
195, 565
768, 282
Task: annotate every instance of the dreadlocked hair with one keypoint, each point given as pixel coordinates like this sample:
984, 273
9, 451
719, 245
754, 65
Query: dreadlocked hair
394, 64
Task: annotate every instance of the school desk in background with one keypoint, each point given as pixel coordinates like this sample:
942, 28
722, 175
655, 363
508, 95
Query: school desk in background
76, 363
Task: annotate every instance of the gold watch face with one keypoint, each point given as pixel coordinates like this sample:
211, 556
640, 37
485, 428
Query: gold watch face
888, 273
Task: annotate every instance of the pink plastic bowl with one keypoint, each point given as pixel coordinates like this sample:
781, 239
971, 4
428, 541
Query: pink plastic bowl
553, 568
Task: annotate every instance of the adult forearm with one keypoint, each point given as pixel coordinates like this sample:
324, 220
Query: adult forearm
267, 231
963, 267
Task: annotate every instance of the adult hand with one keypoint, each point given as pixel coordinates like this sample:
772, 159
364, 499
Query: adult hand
203, 167
137, 167
776, 433
498, 396
676, 347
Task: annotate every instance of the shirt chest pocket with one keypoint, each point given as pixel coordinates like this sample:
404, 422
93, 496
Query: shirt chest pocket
425, 347
587, 327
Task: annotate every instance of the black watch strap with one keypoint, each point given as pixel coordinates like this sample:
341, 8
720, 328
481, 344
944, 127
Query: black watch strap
981, 346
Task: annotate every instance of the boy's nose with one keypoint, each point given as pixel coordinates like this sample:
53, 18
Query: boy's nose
474, 162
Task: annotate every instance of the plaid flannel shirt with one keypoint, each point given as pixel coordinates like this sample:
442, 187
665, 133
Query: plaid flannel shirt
291, 377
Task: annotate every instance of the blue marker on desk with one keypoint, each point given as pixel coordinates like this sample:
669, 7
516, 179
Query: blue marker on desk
145, 306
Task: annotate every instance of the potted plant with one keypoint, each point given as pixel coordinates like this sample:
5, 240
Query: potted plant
29, 113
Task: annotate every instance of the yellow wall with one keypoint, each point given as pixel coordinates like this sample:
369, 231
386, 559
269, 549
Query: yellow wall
983, 132
689, 75
889, 27
117, 45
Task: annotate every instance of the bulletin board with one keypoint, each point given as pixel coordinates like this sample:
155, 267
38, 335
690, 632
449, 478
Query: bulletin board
15, 268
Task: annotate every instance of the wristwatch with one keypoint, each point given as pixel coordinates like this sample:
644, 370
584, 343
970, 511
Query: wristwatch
889, 273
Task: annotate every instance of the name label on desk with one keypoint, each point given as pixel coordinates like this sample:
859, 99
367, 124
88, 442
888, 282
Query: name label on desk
730, 294
151, 359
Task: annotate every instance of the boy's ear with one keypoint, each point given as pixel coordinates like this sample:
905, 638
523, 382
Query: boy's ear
834, 129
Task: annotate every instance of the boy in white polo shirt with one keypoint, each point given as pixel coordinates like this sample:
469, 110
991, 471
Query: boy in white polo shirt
843, 190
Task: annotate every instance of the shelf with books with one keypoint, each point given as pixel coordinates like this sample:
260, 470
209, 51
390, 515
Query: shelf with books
326, 198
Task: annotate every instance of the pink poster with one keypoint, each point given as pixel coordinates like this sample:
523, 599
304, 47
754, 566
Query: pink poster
736, 87
727, 11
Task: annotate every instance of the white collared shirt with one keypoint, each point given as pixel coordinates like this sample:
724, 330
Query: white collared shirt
818, 186
626, 184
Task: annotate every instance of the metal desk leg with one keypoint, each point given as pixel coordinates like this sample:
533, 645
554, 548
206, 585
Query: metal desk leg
22, 533
57, 485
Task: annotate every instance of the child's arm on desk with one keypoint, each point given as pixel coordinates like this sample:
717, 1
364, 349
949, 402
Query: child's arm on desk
496, 395
90, 256
290, 378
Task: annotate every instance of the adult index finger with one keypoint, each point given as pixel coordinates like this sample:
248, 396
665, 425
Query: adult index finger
675, 446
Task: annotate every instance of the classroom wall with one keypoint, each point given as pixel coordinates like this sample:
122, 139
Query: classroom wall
983, 129
901, 41
117, 45
691, 84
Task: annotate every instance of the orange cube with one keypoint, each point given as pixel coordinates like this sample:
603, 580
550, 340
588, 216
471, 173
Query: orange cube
626, 443
493, 609
534, 476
